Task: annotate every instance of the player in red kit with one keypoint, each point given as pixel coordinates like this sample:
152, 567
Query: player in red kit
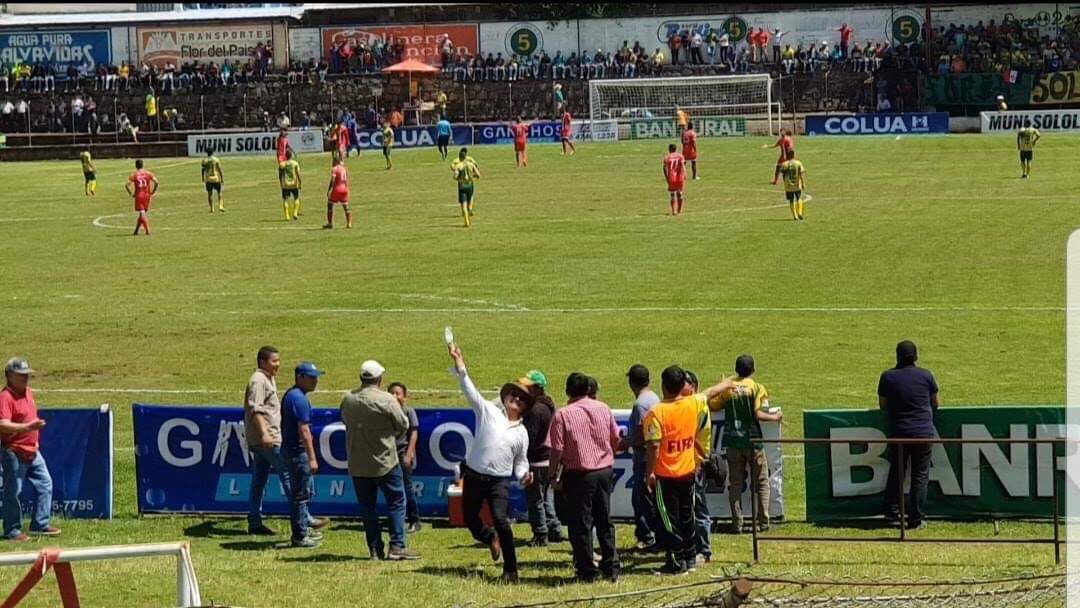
566, 134
342, 137
520, 130
141, 185
338, 193
786, 144
282, 151
675, 173
689, 147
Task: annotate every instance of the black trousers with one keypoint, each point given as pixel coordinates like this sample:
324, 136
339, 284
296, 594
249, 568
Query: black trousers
496, 491
675, 502
588, 495
918, 457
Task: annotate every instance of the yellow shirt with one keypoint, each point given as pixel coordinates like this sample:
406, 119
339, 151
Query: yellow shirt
465, 171
1026, 138
741, 405
388, 137
211, 170
793, 172
151, 105
87, 165
681, 118
683, 430
441, 99
290, 174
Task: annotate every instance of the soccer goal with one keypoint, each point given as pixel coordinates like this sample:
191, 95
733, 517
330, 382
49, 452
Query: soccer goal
745, 100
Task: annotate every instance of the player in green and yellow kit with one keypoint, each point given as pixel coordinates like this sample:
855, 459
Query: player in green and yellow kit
1026, 138
387, 144
290, 187
793, 172
89, 174
466, 172
214, 179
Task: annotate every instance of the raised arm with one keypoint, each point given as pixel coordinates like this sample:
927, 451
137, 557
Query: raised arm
473, 396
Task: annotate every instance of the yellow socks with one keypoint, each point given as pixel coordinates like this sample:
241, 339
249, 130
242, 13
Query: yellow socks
296, 209
800, 206
470, 208
465, 215
285, 206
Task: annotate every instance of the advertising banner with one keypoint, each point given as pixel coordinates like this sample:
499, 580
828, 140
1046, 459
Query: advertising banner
975, 90
412, 137
422, 42
230, 144
846, 481
58, 48
878, 124
77, 446
192, 459
1043, 120
594, 130
528, 37
305, 44
707, 126
207, 43
1055, 88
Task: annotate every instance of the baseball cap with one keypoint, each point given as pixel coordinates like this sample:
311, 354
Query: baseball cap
18, 365
371, 370
307, 368
538, 378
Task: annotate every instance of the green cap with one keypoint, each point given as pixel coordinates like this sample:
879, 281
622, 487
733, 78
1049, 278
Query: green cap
538, 378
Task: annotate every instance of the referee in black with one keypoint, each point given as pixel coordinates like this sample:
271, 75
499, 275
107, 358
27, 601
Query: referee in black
908, 396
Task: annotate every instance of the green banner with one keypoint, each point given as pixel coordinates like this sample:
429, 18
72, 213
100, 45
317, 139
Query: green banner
846, 481
975, 90
664, 128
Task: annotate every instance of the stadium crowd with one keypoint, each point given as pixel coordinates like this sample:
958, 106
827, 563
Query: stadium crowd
1006, 47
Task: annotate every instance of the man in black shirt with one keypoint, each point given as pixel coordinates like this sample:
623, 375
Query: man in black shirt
539, 496
908, 396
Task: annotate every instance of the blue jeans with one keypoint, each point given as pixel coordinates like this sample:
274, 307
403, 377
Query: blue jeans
702, 518
262, 460
35, 472
541, 504
643, 506
301, 479
367, 495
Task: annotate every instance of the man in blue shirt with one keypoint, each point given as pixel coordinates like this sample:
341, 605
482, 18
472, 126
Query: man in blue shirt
908, 396
298, 450
443, 130
644, 400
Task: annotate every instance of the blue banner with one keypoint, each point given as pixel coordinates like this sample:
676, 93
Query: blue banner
57, 48
193, 459
77, 447
878, 124
542, 131
412, 137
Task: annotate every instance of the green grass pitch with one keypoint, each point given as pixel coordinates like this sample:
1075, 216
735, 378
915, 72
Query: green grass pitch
571, 264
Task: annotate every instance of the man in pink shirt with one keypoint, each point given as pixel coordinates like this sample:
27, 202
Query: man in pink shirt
20, 454
584, 438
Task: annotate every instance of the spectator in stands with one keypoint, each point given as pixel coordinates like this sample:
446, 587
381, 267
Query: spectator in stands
684, 46
883, 104
711, 41
528, 66
489, 67
696, 41
544, 66
788, 57
71, 74
586, 65
674, 42
396, 118
762, 45
836, 57
21, 110
845, 38
447, 52
49, 75
168, 79
574, 65
777, 44
262, 59
500, 67
742, 61
599, 65
725, 49
657, 62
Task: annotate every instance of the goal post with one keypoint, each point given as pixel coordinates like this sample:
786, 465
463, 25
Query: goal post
744, 97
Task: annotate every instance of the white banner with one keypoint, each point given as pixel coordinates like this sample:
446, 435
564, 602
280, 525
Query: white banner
595, 130
528, 38
717, 498
1043, 120
228, 144
305, 44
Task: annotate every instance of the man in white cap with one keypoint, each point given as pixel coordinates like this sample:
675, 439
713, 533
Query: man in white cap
21, 455
1002, 106
373, 420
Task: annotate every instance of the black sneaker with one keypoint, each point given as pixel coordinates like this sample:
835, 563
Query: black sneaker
917, 525
261, 531
510, 578
671, 569
538, 541
413, 528
555, 537
402, 554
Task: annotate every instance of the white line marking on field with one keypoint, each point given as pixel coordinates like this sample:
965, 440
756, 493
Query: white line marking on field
636, 309
498, 305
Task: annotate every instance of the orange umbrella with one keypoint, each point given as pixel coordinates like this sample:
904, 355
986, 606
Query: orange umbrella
408, 67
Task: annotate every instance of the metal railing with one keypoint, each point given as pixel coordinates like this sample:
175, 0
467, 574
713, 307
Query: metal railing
1055, 540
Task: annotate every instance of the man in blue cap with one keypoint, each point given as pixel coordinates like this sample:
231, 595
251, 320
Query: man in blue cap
298, 450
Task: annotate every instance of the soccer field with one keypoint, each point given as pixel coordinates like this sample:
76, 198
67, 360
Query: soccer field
571, 264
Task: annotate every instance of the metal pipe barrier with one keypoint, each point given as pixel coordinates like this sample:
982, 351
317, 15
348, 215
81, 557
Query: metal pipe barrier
1055, 540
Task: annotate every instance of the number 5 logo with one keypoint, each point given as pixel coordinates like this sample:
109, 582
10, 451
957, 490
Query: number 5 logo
524, 39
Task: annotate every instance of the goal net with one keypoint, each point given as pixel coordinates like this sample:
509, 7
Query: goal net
745, 100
